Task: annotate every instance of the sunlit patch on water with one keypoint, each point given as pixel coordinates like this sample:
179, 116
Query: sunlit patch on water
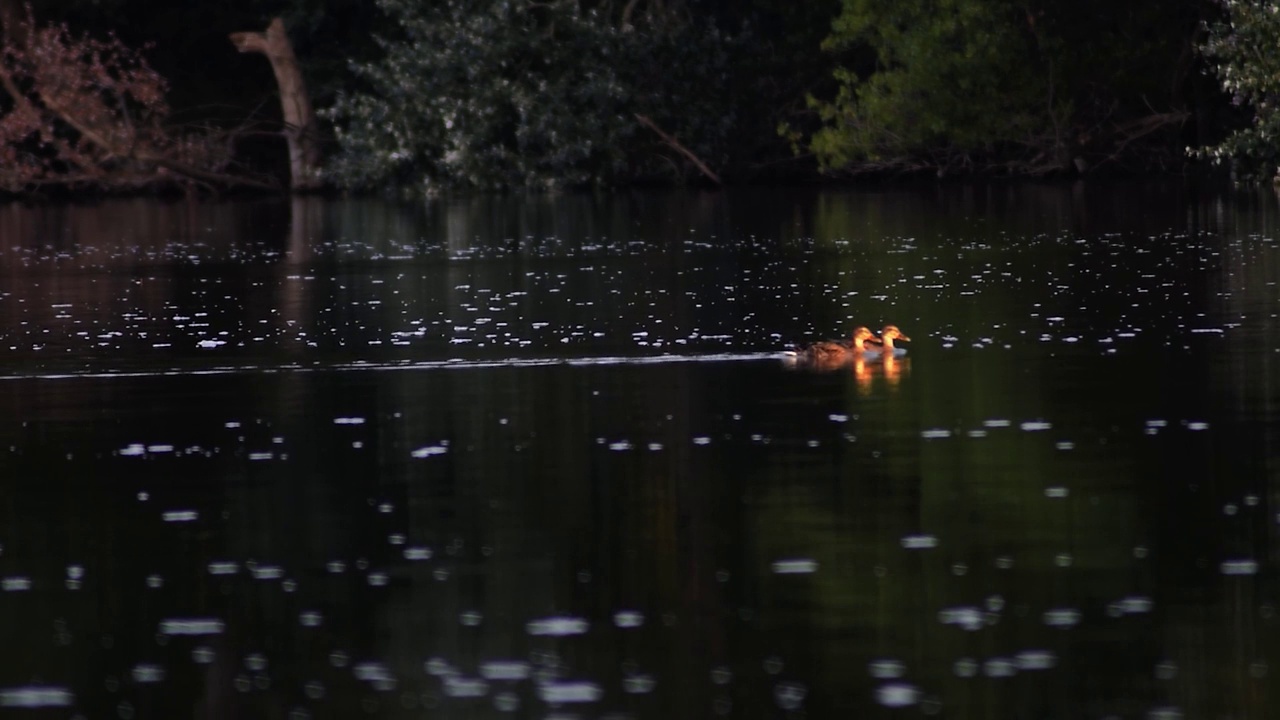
628, 619
1239, 567
966, 617
192, 626
897, 695
796, 566
1062, 617
558, 626
36, 696
999, 667
224, 568
1036, 660
570, 691
430, 450
505, 670
15, 583
456, 686
147, 674
887, 669
919, 542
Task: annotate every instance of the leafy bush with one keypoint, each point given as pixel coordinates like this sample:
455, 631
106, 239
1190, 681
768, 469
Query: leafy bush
1243, 49
518, 93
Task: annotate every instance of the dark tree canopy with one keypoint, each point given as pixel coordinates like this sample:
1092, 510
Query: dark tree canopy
564, 93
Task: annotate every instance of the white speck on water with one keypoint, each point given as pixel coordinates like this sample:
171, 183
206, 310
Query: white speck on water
429, 450
628, 619
897, 695
1196, 426
1056, 492
620, 445
887, 669
1239, 567
570, 691
1135, 604
146, 673
638, 684
418, 553
999, 667
965, 617
505, 670
919, 542
36, 696
702, 440
224, 568
996, 423
789, 695
1062, 617
192, 626
348, 421
463, 687
1036, 660
373, 672
935, 434
557, 626
267, 572
797, 566
1035, 426
133, 450
15, 583
174, 516
965, 667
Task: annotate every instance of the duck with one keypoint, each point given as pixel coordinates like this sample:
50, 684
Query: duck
887, 336
832, 351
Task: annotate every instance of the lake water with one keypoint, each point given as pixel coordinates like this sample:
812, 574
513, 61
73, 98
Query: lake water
540, 457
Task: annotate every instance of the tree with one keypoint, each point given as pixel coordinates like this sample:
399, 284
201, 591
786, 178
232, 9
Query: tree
1243, 48
531, 94
1001, 85
91, 112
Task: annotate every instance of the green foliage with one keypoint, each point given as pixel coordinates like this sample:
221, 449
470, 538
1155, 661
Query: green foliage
518, 93
1244, 48
950, 75
1037, 86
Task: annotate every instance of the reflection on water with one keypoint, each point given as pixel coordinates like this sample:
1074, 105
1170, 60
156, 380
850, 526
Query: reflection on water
504, 458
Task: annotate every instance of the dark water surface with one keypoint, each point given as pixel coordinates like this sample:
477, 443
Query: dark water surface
540, 458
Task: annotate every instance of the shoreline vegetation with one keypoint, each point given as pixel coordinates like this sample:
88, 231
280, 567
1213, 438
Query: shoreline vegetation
470, 95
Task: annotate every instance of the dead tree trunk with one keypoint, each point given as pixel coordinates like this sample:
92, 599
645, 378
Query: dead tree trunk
299, 119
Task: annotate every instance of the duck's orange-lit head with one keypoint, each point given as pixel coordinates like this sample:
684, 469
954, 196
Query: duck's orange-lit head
891, 332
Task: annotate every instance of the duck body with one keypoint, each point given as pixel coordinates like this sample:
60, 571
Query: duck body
830, 352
